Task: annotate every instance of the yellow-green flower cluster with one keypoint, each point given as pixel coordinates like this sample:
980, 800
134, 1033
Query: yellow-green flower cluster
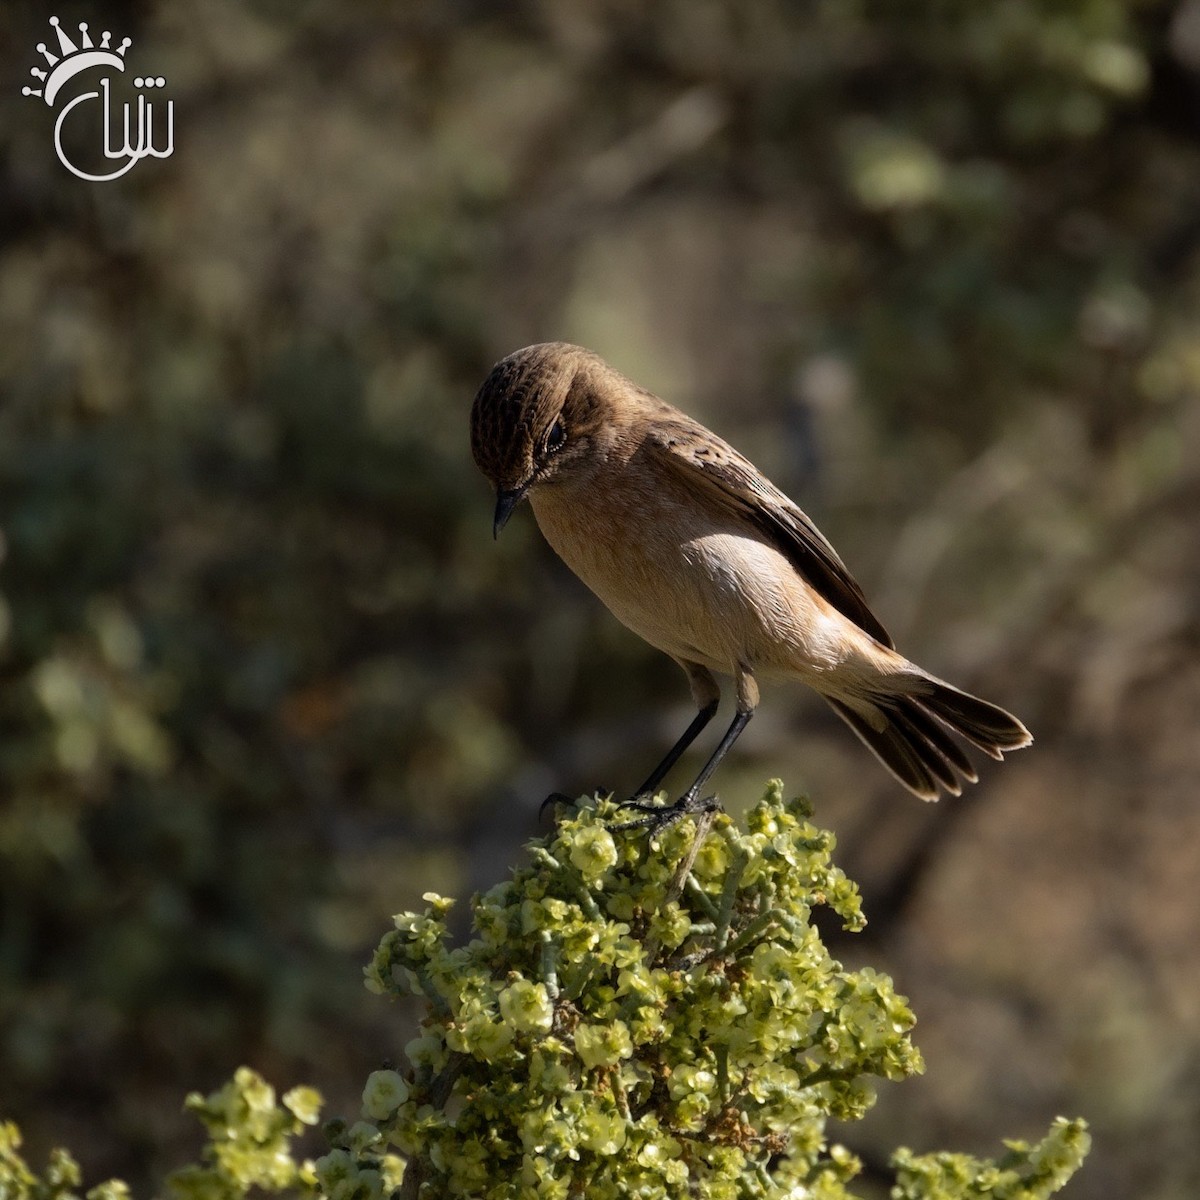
621, 1028
250, 1139
1024, 1173
60, 1180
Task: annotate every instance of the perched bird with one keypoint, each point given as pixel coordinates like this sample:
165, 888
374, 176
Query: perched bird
695, 550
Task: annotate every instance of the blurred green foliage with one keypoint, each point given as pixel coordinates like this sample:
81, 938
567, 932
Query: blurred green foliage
263, 675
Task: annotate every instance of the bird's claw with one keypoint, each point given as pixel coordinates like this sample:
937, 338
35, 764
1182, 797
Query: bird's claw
657, 817
553, 800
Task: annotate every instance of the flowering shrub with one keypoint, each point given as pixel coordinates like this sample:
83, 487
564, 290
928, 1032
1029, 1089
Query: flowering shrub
630, 1020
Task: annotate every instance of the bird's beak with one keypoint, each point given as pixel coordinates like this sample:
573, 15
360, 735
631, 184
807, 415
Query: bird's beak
505, 503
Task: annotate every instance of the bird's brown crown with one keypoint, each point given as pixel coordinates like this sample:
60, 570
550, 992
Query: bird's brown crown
529, 401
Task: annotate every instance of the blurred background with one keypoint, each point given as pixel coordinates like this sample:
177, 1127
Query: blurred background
265, 677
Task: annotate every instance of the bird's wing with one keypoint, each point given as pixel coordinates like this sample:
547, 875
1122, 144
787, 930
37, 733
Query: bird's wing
702, 460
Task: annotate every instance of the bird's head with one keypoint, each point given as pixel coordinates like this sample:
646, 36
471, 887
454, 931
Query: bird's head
536, 419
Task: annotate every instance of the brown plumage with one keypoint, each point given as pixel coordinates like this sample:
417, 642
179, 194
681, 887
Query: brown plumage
695, 550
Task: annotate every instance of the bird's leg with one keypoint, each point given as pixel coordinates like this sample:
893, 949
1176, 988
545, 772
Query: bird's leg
707, 696
659, 816
740, 721
690, 734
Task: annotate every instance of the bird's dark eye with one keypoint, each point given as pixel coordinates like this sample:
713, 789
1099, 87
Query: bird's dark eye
556, 437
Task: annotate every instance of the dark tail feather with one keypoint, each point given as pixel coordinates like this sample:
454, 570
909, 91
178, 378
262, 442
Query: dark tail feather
900, 730
922, 730
894, 749
984, 725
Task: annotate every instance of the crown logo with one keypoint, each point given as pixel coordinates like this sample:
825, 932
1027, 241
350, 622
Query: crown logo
73, 58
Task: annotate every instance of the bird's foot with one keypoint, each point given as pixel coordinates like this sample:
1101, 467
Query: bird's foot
557, 799
553, 801
657, 817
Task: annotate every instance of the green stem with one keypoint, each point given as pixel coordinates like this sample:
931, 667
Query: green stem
827, 1074
751, 933
701, 897
440, 1004
733, 880
549, 964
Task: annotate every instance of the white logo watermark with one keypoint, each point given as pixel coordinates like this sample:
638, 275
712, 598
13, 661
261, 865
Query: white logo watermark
134, 123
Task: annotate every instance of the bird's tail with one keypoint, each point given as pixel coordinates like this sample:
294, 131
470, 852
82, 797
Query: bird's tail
908, 725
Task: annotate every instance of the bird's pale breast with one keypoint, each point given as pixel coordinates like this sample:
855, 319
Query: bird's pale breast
697, 585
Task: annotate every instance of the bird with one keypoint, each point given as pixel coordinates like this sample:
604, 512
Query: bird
695, 550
